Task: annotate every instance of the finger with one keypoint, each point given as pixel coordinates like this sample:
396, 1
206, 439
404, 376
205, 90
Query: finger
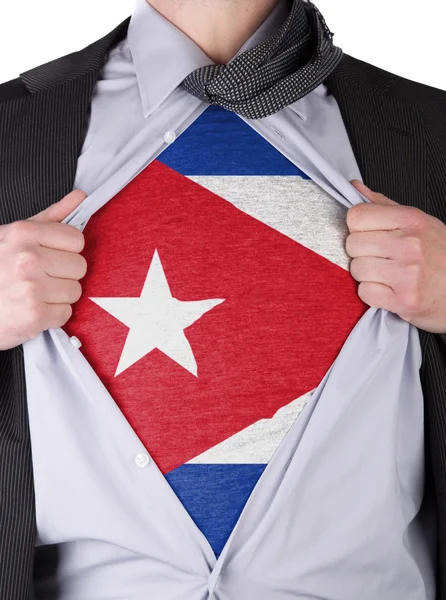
63, 265
374, 217
60, 291
60, 236
381, 199
50, 235
378, 295
375, 197
56, 315
60, 210
51, 317
383, 244
378, 270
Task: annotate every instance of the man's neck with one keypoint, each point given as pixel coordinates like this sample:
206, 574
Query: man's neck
218, 27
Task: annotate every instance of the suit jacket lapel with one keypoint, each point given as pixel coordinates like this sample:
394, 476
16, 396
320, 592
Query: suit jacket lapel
38, 163
89, 59
386, 132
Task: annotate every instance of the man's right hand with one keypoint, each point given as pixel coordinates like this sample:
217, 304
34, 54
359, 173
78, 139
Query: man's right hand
40, 268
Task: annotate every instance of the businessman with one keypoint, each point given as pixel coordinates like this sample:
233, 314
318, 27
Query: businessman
222, 316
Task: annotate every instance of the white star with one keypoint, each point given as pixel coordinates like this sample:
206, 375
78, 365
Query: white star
156, 320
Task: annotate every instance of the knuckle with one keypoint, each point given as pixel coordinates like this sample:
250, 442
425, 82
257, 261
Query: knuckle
354, 268
355, 213
415, 276
79, 239
82, 266
26, 262
57, 316
68, 312
364, 292
75, 237
65, 314
20, 229
29, 290
412, 300
360, 268
415, 248
412, 286
76, 292
35, 313
358, 209
418, 219
350, 244
68, 292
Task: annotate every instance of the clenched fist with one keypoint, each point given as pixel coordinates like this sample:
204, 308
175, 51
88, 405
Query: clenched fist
40, 269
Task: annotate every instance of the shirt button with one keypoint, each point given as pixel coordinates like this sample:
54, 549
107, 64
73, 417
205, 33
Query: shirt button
75, 341
142, 460
170, 136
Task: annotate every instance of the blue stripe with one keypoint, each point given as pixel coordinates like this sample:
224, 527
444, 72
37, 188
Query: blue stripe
214, 496
207, 148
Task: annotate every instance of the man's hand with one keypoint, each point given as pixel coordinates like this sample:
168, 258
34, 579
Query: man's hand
399, 257
40, 268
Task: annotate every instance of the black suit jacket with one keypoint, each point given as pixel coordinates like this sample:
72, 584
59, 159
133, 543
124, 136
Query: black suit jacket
397, 129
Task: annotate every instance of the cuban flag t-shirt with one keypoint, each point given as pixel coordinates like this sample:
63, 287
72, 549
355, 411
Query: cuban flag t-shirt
216, 299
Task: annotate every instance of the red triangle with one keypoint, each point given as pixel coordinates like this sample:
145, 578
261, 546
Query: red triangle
286, 315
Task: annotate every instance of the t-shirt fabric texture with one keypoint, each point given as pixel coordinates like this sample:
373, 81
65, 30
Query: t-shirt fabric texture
214, 311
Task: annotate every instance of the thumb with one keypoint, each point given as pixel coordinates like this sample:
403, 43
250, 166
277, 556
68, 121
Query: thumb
374, 197
58, 211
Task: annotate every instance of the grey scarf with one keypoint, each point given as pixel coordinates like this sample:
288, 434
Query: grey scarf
285, 67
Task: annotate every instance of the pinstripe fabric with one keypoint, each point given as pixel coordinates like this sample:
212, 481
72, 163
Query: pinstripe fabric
40, 139
414, 141
16, 478
397, 129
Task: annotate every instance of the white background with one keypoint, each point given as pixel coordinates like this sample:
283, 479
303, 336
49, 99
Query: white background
402, 36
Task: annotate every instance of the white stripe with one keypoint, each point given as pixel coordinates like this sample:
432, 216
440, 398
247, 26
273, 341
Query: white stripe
257, 443
298, 208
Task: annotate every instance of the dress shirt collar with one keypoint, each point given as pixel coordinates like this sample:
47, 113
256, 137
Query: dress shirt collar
163, 55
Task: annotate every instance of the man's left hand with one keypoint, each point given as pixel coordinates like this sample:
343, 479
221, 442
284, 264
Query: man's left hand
399, 257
